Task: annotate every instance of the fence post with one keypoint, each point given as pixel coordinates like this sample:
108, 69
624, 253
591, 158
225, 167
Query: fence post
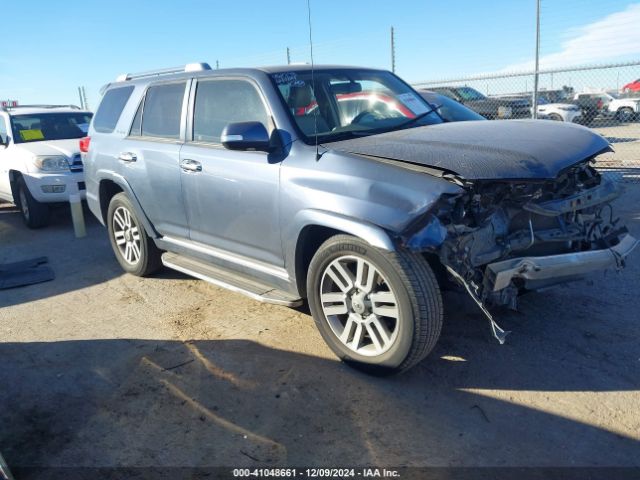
534, 109
77, 215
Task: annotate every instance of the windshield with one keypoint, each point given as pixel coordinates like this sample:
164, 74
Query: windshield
348, 103
468, 93
38, 127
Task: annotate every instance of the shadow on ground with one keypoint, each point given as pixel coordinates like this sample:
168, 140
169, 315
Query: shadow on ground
238, 403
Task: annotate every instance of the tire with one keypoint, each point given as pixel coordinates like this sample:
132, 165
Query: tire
135, 251
555, 117
374, 342
625, 114
34, 213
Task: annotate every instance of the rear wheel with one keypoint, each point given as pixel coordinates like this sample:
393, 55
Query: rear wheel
378, 311
35, 214
134, 249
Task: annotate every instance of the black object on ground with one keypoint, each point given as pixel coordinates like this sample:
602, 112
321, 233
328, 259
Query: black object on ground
26, 272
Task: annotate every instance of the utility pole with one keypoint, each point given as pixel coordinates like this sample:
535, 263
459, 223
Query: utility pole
393, 51
80, 95
217, 65
536, 74
84, 98
288, 56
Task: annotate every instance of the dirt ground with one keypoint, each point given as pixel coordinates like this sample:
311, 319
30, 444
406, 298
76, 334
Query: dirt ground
99, 368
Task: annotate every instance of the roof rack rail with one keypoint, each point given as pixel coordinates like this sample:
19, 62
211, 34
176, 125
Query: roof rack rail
13, 107
189, 67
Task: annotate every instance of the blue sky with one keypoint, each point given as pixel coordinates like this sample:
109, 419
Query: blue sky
56, 46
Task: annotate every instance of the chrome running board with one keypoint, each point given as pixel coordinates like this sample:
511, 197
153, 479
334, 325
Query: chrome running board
229, 280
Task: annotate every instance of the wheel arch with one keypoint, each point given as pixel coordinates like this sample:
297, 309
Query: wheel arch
108, 187
14, 175
315, 227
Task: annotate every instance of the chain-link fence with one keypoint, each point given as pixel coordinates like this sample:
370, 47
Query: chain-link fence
605, 98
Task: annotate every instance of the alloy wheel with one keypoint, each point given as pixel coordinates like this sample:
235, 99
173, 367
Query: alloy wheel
127, 235
359, 305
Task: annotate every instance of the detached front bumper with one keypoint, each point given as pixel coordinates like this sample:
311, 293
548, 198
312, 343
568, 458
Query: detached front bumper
539, 272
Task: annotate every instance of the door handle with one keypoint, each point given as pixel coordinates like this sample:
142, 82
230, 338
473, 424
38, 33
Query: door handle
127, 157
189, 165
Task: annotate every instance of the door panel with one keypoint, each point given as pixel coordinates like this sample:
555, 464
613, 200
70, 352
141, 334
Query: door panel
232, 202
149, 157
154, 176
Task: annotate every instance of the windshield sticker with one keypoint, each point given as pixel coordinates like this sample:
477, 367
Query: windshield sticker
413, 103
27, 135
288, 78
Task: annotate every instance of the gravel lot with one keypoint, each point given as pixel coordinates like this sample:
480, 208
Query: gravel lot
105, 369
625, 139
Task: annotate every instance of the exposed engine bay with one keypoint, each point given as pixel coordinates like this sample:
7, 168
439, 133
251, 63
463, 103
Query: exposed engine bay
501, 238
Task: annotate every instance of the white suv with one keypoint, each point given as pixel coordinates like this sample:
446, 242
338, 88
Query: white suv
40, 159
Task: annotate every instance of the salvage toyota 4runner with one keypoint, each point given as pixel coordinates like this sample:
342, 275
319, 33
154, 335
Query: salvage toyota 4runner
265, 181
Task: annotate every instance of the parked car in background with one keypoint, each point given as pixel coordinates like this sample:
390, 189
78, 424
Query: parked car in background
547, 110
624, 109
449, 109
40, 160
262, 181
591, 105
562, 112
490, 108
632, 86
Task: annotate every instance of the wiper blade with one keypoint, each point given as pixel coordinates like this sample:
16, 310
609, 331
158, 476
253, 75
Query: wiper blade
418, 117
400, 126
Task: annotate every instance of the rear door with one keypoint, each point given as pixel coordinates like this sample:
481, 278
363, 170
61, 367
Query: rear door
231, 197
150, 156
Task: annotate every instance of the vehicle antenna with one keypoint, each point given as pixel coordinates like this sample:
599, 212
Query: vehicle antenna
313, 80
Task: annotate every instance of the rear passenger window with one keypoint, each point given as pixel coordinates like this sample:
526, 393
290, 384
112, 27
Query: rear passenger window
220, 102
111, 108
162, 111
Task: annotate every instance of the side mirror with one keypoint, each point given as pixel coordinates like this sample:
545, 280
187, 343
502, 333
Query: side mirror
4, 141
246, 136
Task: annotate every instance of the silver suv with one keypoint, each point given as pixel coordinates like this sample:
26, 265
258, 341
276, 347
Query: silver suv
343, 186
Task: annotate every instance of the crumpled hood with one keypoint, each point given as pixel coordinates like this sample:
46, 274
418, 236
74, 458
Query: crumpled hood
68, 148
496, 149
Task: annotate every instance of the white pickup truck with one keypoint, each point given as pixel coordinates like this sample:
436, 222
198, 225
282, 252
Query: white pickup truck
40, 159
625, 109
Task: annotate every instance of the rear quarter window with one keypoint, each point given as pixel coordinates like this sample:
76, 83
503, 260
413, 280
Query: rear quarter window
111, 108
163, 111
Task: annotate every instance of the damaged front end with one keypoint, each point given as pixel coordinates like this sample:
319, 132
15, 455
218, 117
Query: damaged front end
499, 239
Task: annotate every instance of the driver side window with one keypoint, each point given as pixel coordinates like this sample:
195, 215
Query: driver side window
221, 102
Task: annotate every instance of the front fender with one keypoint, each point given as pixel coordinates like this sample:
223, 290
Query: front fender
372, 234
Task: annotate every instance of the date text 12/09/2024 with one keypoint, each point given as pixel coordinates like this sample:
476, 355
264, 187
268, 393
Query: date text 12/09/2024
315, 473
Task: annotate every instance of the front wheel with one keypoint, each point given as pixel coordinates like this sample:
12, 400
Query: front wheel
34, 213
378, 311
625, 114
134, 249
